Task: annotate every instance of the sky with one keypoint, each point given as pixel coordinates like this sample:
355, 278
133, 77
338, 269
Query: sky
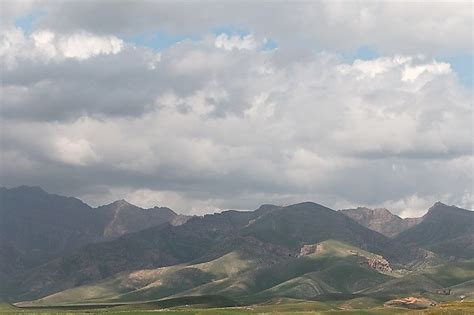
204, 106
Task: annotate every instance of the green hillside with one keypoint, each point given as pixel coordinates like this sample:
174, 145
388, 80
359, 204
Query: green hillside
327, 267
156, 283
429, 281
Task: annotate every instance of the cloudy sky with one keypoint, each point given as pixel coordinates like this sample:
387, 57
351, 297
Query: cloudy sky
206, 106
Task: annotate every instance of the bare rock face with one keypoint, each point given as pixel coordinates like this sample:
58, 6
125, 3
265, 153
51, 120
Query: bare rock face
311, 249
374, 262
411, 303
379, 264
180, 219
122, 218
381, 220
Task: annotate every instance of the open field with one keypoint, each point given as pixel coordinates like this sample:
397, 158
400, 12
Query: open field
285, 307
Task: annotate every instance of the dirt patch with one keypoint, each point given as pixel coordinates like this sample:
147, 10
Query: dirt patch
411, 303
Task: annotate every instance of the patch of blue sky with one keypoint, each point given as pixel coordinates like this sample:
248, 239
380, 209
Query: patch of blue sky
269, 44
159, 40
27, 21
162, 40
364, 52
463, 65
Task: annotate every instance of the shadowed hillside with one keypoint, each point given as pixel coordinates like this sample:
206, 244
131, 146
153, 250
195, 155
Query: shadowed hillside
36, 227
447, 230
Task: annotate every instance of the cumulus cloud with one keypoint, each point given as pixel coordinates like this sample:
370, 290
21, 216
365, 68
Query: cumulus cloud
80, 46
218, 122
46, 45
230, 42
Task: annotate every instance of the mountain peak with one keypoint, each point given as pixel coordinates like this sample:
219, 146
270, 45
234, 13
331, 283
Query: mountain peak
438, 204
364, 211
440, 208
121, 203
382, 210
308, 205
439, 224
165, 209
380, 220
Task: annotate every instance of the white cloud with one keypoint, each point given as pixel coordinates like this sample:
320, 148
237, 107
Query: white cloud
83, 46
261, 108
231, 42
12, 45
411, 73
412, 206
47, 45
78, 46
371, 68
73, 151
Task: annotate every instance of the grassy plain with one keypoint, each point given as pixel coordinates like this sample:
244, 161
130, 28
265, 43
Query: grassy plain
279, 307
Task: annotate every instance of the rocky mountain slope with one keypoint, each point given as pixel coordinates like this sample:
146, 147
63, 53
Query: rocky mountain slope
121, 217
381, 220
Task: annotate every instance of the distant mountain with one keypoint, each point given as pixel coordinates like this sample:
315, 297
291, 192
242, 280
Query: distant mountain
280, 232
36, 227
447, 230
381, 220
121, 217
310, 223
42, 226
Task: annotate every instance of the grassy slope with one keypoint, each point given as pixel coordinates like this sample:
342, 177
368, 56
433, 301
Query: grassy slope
156, 283
465, 288
159, 246
340, 272
448, 275
334, 268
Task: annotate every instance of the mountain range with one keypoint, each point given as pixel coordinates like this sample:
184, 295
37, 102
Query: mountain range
57, 250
